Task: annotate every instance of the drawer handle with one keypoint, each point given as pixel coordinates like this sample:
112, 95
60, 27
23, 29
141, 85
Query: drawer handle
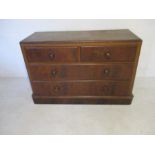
107, 90
106, 71
107, 55
56, 88
53, 73
52, 56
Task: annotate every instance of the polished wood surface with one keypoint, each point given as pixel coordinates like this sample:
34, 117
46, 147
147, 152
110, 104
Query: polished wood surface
81, 36
89, 67
119, 71
84, 88
125, 100
52, 54
108, 53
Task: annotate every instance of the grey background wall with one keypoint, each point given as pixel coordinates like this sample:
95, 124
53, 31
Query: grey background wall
12, 31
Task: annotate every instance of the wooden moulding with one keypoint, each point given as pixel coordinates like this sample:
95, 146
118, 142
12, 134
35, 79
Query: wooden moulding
125, 100
53, 58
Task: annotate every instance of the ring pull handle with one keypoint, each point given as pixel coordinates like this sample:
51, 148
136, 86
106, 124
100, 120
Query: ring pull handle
57, 89
107, 89
106, 71
53, 73
107, 55
52, 56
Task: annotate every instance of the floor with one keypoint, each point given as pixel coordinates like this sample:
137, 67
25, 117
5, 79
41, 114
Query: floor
18, 114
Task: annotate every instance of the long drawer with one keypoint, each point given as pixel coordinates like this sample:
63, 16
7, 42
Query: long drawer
121, 71
108, 53
87, 88
51, 54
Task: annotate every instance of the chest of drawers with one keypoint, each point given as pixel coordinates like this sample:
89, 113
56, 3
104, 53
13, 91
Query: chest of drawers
84, 67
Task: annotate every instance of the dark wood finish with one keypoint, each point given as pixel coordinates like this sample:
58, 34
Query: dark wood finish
89, 67
86, 88
108, 53
51, 54
125, 100
81, 36
120, 71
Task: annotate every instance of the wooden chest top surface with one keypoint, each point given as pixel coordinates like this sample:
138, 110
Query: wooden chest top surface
81, 36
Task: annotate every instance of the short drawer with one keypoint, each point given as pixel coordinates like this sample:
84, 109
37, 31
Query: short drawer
122, 71
107, 53
51, 54
95, 88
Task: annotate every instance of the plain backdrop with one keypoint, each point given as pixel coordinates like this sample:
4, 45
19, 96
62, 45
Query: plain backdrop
13, 31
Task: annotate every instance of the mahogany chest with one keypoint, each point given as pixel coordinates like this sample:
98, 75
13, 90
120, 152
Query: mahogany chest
82, 67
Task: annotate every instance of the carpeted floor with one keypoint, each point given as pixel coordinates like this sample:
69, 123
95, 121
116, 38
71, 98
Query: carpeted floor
18, 114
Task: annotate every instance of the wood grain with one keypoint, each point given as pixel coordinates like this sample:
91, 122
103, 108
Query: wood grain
81, 36
88, 67
108, 53
52, 54
82, 88
119, 71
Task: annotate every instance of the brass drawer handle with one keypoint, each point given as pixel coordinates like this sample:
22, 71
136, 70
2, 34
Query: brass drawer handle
107, 55
107, 90
106, 71
52, 56
57, 89
54, 73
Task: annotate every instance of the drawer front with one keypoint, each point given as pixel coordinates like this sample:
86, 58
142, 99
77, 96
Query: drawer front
81, 72
51, 54
96, 88
108, 53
